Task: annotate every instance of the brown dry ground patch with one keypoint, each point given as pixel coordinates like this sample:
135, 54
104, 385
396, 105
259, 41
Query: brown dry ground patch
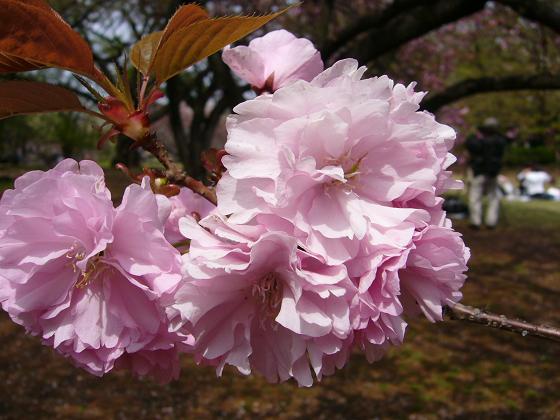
449, 370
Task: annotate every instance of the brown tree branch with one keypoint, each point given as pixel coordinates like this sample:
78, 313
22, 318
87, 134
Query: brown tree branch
174, 173
370, 21
470, 87
405, 20
409, 25
461, 312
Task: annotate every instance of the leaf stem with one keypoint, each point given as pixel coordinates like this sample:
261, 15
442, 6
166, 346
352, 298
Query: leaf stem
145, 80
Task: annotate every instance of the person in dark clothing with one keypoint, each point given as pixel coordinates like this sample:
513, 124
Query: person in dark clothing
486, 149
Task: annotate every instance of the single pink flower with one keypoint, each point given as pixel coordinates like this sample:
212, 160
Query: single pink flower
434, 272
85, 277
274, 60
254, 300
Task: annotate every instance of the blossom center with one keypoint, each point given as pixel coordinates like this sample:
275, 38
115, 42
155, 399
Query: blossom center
350, 167
93, 267
268, 293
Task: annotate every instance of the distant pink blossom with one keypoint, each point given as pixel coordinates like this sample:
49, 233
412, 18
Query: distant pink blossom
274, 60
254, 300
85, 277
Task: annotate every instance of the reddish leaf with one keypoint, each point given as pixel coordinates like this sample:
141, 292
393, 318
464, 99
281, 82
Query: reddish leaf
144, 51
36, 3
33, 36
9, 64
190, 44
183, 17
23, 97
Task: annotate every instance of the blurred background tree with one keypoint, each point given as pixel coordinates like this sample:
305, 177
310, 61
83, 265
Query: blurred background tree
477, 58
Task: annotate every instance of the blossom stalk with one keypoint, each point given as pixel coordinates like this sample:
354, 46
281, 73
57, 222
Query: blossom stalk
174, 173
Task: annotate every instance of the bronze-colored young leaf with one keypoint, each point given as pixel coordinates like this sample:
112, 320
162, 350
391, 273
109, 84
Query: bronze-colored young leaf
189, 45
13, 64
33, 36
144, 51
22, 97
37, 3
183, 17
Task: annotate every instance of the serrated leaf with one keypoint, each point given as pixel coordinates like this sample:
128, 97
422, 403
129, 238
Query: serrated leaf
33, 36
183, 17
143, 51
189, 45
23, 97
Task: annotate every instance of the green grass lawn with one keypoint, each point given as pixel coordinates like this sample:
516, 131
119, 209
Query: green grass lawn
446, 370
532, 213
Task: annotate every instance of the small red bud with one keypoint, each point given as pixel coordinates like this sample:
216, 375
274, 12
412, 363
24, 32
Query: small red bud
135, 125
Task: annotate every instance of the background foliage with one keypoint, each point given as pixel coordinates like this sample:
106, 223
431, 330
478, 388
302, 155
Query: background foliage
473, 45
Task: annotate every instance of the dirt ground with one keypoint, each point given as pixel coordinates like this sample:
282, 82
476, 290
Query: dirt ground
449, 370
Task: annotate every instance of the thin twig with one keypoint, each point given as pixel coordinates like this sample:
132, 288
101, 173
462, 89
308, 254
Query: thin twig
174, 173
468, 313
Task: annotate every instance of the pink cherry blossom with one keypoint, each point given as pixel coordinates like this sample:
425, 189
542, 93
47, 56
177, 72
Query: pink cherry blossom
434, 272
353, 170
85, 277
254, 300
421, 277
329, 233
332, 156
274, 60
187, 203
377, 311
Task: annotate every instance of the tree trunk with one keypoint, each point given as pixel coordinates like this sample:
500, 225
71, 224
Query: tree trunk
182, 139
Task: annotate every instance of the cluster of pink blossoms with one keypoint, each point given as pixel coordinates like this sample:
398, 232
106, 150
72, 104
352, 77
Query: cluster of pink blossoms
86, 277
328, 232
